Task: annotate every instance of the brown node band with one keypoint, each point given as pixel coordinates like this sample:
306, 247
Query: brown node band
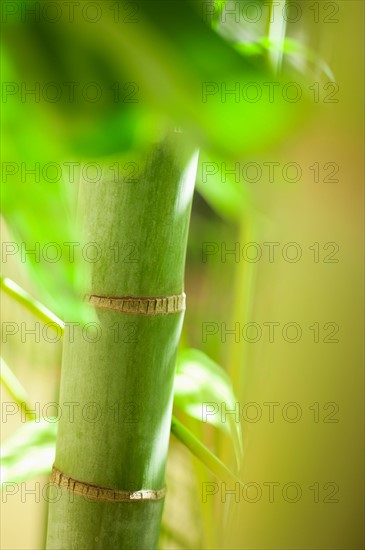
134, 305
91, 491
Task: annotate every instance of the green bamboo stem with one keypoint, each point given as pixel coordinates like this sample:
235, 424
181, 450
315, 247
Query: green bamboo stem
127, 373
18, 393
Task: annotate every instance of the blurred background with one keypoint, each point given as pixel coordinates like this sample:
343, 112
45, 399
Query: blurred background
283, 319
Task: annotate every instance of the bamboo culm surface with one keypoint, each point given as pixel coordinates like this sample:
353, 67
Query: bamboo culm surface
117, 382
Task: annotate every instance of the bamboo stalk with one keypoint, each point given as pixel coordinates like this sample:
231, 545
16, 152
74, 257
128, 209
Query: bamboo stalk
12, 384
116, 440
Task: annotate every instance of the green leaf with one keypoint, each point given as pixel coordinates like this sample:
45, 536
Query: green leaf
22, 297
199, 450
29, 452
202, 390
148, 73
12, 384
159, 67
220, 190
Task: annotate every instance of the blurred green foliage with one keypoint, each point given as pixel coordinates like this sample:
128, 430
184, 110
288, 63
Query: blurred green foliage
99, 86
117, 84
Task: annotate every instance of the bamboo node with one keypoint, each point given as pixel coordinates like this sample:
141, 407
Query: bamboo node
91, 491
140, 305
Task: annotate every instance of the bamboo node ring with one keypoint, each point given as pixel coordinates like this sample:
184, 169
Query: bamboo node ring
140, 305
97, 492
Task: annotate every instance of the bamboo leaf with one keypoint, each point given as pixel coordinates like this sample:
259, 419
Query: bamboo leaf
199, 450
31, 304
12, 384
201, 386
167, 69
223, 193
10, 381
293, 52
29, 452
